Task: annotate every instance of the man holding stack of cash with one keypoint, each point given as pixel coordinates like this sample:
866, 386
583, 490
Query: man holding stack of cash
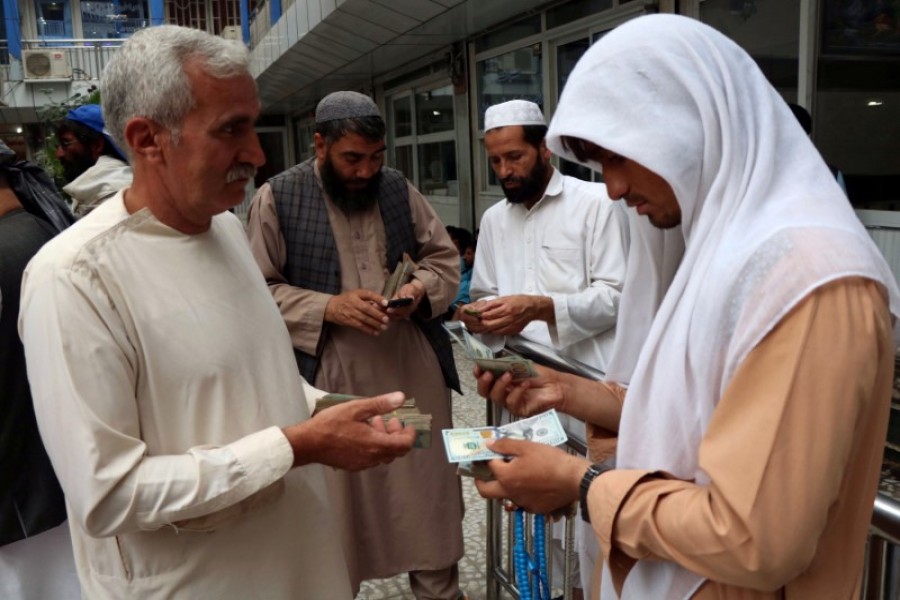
551, 258
360, 265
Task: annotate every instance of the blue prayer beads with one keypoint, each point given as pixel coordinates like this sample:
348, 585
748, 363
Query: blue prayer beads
522, 562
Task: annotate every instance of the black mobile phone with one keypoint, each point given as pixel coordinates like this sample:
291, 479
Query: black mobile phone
398, 302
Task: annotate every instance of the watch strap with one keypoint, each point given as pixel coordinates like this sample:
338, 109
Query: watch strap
590, 475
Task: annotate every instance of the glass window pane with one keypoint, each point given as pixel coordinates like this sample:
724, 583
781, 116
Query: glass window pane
110, 20
768, 31
856, 115
566, 57
434, 110
437, 169
510, 76
573, 169
577, 9
54, 19
516, 31
401, 116
403, 161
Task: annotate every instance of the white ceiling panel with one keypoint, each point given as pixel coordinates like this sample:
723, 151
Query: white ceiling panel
358, 43
351, 42
361, 27
385, 16
420, 10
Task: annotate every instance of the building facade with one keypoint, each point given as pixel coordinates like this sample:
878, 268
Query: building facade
435, 65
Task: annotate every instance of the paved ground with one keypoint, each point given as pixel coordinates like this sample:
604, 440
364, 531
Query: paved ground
468, 411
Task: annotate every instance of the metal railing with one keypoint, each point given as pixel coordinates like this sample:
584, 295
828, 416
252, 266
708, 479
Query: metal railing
499, 551
881, 572
86, 57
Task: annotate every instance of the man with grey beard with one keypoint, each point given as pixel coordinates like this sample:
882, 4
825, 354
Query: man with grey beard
327, 235
163, 379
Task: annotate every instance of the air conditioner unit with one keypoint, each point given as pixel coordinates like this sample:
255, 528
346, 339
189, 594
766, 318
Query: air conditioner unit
232, 32
46, 63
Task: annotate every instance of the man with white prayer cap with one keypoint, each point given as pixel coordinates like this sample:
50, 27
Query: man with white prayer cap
327, 234
750, 437
551, 257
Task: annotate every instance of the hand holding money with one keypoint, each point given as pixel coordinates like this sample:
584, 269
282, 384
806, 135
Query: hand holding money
509, 315
470, 314
525, 397
407, 413
352, 435
539, 478
520, 368
360, 309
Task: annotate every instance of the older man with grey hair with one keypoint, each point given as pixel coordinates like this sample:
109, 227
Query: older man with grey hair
163, 378
327, 235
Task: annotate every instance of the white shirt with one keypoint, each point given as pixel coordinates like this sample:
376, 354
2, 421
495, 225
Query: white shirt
162, 373
571, 246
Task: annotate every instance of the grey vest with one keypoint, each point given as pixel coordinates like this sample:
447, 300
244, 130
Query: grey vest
312, 258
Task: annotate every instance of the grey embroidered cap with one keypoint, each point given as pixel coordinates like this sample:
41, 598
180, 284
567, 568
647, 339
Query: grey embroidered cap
345, 105
514, 112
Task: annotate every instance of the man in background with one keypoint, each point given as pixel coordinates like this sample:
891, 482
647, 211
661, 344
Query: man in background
327, 234
551, 257
465, 244
94, 167
35, 551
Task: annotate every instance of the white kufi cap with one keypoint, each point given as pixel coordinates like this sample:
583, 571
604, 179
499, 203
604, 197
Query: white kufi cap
514, 112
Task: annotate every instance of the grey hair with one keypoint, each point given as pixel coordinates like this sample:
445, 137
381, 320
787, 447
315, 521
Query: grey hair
146, 77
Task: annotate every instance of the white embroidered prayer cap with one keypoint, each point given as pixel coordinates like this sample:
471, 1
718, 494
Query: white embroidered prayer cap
513, 112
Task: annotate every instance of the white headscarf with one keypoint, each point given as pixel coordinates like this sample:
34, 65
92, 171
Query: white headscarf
764, 224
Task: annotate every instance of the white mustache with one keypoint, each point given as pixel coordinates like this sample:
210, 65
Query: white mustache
240, 171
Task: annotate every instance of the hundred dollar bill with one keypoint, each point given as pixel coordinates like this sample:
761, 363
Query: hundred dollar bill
470, 444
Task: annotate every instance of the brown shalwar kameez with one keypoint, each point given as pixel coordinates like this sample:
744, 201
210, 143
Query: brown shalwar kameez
793, 454
405, 516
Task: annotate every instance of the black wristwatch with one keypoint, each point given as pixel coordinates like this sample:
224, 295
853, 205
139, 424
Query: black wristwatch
590, 475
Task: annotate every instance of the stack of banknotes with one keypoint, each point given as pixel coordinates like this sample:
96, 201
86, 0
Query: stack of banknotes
408, 414
468, 446
400, 277
484, 357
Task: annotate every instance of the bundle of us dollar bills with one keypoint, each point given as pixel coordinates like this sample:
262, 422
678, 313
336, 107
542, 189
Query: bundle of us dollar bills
400, 277
468, 446
484, 357
408, 414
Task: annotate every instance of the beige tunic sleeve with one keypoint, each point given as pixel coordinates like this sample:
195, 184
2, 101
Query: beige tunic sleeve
303, 310
793, 454
436, 256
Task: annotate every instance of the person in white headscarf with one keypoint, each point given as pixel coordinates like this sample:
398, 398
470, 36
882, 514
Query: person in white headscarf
751, 434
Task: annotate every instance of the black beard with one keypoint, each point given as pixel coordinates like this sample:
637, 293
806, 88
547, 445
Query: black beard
531, 187
74, 167
348, 200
